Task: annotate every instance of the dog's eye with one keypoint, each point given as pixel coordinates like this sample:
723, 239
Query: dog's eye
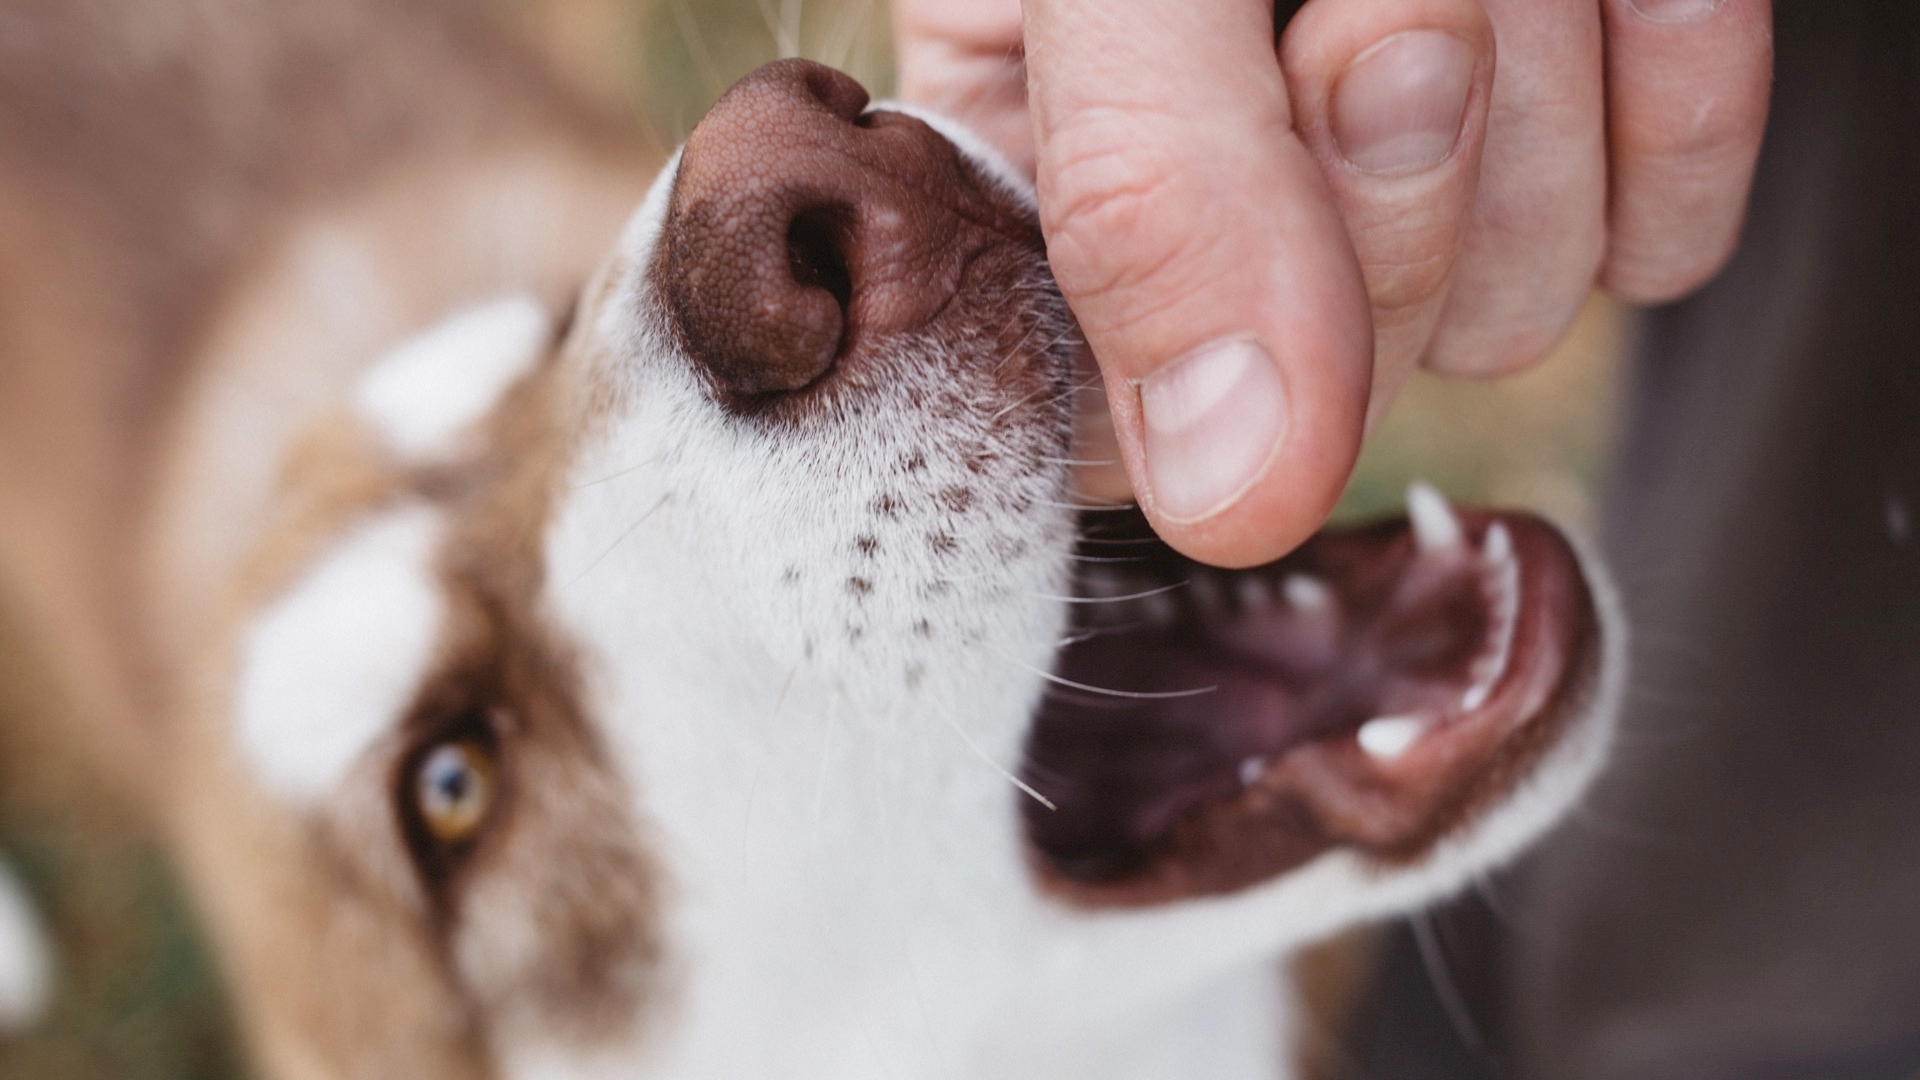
453, 788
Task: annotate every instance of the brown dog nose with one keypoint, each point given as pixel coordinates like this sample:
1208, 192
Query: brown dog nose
800, 229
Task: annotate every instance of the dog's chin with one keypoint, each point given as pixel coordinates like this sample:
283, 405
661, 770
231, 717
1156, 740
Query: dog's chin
1379, 690
878, 534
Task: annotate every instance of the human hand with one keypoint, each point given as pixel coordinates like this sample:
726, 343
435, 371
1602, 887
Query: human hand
1261, 243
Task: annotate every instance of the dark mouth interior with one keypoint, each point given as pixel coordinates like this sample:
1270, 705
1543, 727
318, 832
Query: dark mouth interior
1185, 698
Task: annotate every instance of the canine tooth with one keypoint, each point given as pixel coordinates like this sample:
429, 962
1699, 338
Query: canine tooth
26, 966
1496, 551
1250, 769
1306, 592
1435, 526
1387, 737
1497, 548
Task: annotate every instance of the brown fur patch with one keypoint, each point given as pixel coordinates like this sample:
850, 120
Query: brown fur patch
551, 916
176, 175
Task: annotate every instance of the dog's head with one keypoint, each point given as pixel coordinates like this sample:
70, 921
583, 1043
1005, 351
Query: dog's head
725, 684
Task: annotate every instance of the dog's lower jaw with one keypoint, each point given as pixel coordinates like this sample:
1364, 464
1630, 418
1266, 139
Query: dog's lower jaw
814, 653
861, 905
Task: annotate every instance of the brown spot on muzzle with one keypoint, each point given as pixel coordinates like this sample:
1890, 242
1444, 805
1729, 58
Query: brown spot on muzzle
801, 227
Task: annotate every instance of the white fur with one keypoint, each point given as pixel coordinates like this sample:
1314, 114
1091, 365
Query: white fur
331, 665
850, 897
431, 389
817, 712
26, 963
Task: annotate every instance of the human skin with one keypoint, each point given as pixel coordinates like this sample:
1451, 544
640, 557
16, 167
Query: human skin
1262, 241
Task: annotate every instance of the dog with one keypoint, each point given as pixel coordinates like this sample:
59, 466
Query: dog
563, 640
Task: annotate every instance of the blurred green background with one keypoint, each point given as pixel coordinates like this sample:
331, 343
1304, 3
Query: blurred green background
138, 997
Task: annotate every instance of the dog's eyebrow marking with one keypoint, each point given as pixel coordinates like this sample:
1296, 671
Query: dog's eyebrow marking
421, 396
334, 662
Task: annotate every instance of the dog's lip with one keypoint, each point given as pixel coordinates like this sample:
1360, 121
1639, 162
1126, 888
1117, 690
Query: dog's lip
1214, 742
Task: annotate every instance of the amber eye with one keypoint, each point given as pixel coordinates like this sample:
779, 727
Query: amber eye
453, 788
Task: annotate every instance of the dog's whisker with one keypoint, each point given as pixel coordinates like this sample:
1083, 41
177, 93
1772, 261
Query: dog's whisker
760, 759
1037, 396
654, 460
1100, 631
1444, 987
997, 767
1131, 695
859, 22
785, 46
1113, 599
697, 50
1078, 462
834, 47
631, 529
791, 12
1045, 396
1489, 892
1123, 541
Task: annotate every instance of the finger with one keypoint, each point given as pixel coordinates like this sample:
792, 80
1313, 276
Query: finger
1209, 268
1687, 85
1392, 95
964, 59
1538, 230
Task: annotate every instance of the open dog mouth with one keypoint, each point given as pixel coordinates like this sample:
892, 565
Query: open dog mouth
1206, 730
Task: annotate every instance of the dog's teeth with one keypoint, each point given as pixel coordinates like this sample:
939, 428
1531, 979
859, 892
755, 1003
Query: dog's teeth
1435, 526
1475, 696
1497, 548
1306, 592
1387, 737
26, 971
1497, 554
1250, 769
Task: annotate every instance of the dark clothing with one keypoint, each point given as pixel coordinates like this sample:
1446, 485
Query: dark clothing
1740, 900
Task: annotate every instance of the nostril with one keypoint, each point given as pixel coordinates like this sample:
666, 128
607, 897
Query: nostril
760, 296
816, 255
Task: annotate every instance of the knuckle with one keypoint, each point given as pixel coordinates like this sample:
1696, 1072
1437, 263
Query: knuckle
1402, 284
1110, 206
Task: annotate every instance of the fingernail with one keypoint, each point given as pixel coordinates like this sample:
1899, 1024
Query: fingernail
1674, 11
1211, 420
1399, 107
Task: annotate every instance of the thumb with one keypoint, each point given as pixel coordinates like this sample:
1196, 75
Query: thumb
1199, 247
